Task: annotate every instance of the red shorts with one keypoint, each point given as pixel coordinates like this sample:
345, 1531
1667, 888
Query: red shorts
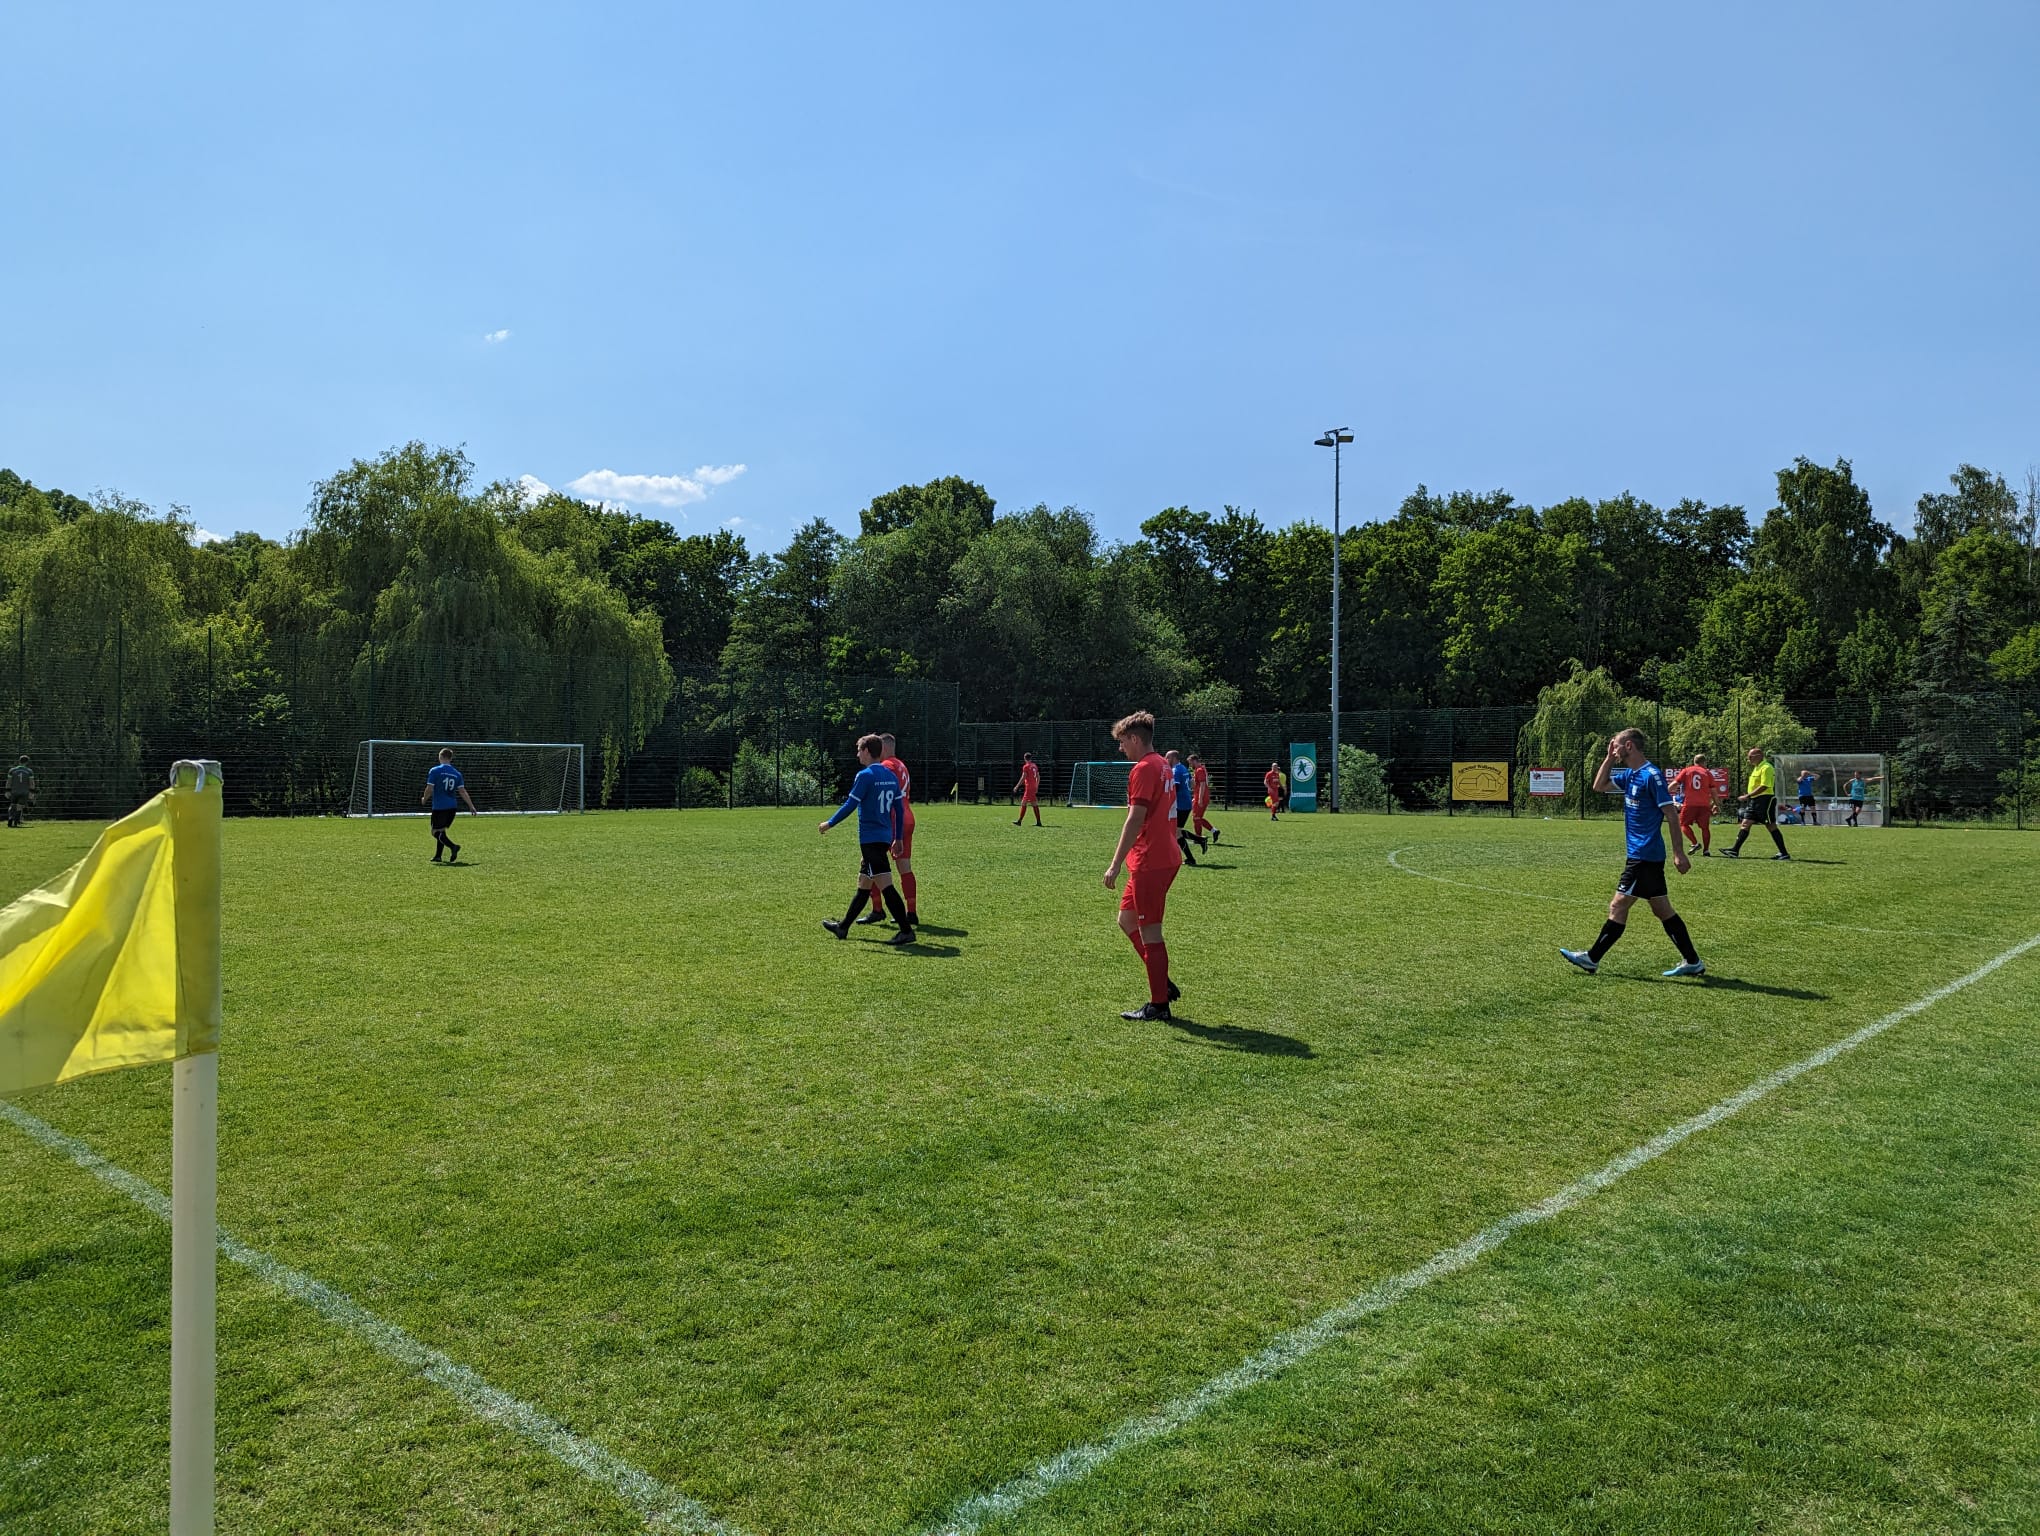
1693, 815
907, 836
1028, 797
1146, 894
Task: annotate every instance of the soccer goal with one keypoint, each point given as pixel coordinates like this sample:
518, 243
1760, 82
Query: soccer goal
1102, 785
1833, 772
505, 778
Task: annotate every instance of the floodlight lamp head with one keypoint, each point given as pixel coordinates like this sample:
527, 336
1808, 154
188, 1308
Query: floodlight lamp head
1334, 437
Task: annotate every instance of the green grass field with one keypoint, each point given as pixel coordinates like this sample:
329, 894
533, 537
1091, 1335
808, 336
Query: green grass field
832, 1237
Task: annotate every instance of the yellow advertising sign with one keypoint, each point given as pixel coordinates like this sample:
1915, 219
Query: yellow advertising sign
1480, 781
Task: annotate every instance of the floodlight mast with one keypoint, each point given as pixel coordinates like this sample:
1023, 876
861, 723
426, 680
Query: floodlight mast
1334, 439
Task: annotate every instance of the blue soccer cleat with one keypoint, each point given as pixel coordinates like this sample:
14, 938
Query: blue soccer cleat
1582, 959
1690, 968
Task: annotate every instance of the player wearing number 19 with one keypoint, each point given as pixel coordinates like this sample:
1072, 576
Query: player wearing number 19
881, 820
445, 789
1649, 814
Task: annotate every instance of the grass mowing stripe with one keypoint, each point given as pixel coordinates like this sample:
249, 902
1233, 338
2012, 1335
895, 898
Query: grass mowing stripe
1080, 1461
663, 1508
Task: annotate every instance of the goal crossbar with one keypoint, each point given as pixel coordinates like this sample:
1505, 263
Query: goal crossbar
1100, 785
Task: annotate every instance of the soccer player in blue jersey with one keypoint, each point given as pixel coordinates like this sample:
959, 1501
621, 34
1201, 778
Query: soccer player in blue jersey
445, 789
1179, 782
1649, 815
881, 824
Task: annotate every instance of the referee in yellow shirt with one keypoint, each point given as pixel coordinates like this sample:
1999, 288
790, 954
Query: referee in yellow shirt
1760, 803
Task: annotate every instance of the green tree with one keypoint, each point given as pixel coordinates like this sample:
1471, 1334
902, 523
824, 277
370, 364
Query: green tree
785, 619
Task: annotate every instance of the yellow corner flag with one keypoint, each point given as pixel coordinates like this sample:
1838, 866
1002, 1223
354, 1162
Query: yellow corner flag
117, 961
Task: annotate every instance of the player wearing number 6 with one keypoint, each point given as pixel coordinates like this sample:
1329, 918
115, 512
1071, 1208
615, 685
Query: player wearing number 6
1147, 851
881, 823
445, 789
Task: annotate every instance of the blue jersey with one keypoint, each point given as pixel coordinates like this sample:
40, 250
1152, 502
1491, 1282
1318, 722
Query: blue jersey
446, 781
1806, 783
875, 797
1644, 797
1181, 774
1856, 788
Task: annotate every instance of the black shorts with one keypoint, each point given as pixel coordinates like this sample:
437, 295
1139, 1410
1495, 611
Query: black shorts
1643, 879
877, 859
1855, 805
1806, 802
441, 820
1763, 808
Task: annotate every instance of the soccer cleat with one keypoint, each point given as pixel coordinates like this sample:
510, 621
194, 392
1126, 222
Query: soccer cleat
456, 853
437, 860
836, 926
1214, 834
1690, 968
1706, 853
1148, 1013
1582, 959
1730, 853
870, 918
913, 919
1777, 856
904, 937
1174, 991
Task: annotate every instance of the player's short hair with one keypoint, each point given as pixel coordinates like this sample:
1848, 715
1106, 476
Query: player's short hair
1631, 733
1173, 754
1700, 759
446, 754
888, 739
1195, 758
1139, 723
1028, 755
870, 743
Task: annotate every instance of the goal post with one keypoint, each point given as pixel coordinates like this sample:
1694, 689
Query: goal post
1833, 773
504, 778
1100, 785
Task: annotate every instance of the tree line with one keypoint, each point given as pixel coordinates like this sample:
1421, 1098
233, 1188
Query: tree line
409, 568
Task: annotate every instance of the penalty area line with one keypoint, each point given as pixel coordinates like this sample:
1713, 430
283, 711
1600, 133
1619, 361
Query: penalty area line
1079, 1462
663, 1508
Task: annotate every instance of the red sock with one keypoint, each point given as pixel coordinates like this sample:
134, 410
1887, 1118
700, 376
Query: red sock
1138, 947
1157, 957
907, 888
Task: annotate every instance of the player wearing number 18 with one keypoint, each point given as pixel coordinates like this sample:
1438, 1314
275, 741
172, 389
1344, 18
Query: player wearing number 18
881, 822
1648, 814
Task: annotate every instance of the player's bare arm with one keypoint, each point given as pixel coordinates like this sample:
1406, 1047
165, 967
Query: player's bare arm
1602, 781
1675, 839
1136, 818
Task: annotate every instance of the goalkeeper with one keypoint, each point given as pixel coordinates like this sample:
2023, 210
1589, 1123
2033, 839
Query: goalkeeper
20, 791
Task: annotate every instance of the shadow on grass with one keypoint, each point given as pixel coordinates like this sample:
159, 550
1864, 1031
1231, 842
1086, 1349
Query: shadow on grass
947, 933
1234, 1037
1714, 983
1213, 863
932, 951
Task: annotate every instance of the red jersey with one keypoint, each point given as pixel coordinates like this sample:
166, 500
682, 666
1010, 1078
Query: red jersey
898, 770
1152, 785
1030, 775
1697, 784
1273, 779
1200, 784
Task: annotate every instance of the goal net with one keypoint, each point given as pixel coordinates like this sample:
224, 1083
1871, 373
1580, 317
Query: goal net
1100, 784
504, 778
1833, 774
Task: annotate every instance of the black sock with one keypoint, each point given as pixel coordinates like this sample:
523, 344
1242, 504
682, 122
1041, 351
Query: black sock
1610, 932
1675, 926
894, 905
1777, 837
856, 906
1741, 835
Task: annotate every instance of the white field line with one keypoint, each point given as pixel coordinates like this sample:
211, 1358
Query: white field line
663, 1508
1288, 1348
1395, 862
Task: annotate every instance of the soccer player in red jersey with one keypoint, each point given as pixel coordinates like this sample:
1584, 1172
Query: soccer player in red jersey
1030, 790
1147, 850
903, 855
1696, 783
1273, 779
1200, 798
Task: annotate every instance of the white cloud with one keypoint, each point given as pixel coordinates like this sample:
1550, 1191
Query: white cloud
531, 490
199, 536
654, 490
493, 337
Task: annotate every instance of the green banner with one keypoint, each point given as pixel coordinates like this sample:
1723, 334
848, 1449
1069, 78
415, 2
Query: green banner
1303, 776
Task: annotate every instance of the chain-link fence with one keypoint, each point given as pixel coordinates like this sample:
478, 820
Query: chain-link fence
1973, 758
100, 722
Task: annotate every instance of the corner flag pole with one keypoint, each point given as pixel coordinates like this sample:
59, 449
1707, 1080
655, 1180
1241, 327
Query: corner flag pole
194, 1220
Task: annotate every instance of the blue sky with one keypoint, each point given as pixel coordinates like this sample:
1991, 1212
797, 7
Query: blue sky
1117, 257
